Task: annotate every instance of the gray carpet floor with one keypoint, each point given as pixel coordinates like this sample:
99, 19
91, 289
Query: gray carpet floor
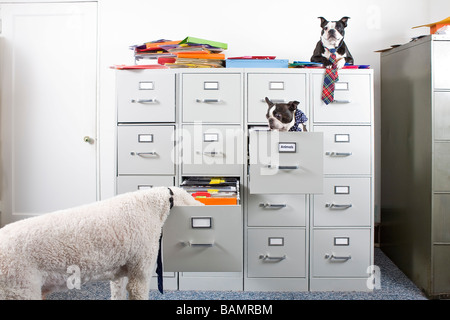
394, 286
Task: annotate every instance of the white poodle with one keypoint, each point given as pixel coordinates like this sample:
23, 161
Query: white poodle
115, 239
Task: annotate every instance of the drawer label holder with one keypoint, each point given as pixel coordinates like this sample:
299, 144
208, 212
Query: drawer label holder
287, 147
201, 222
276, 241
341, 241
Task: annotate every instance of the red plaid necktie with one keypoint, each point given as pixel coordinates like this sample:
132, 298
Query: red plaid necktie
331, 77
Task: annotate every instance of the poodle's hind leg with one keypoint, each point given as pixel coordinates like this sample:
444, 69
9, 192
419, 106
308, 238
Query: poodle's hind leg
119, 289
27, 288
138, 285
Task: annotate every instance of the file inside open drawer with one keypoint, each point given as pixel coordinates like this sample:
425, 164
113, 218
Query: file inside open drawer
213, 190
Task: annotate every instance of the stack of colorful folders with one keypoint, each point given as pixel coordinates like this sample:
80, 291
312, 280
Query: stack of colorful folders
154, 52
197, 53
213, 191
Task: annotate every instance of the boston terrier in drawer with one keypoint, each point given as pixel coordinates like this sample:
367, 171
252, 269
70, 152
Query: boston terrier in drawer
285, 116
332, 38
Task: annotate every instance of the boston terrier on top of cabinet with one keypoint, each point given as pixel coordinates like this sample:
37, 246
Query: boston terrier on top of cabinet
332, 38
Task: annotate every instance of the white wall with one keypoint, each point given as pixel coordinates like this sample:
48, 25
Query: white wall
288, 29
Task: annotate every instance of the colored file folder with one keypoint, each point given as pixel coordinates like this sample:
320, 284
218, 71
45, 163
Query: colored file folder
257, 63
217, 201
192, 40
189, 55
213, 191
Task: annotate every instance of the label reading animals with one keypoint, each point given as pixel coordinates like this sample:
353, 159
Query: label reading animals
290, 147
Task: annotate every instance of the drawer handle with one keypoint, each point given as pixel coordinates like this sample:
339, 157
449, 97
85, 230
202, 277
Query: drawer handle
341, 101
338, 154
338, 206
337, 258
266, 257
275, 100
272, 205
208, 245
211, 153
208, 100
144, 154
274, 166
144, 101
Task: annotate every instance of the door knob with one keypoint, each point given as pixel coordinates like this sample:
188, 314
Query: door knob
88, 139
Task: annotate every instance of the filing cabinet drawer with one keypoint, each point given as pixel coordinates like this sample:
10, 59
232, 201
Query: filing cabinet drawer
276, 252
203, 239
145, 96
441, 169
346, 149
280, 88
440, 260
340, 252
441, 221
344, 202
212, 98
276, 210
133, 183
145, 150
441, 68
212, 149
352, 97
442, 115
285, 162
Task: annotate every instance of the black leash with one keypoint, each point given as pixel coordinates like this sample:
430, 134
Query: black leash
159, 265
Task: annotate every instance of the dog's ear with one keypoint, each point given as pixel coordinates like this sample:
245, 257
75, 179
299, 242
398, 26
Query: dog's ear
344, 21
293, 105
323, 22
270, 103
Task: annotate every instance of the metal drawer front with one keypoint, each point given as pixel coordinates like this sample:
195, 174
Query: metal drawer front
340, 252
441, 169
442, 115
276, 253
133, 183
441, 257
346, 149
145, 96
212, 98
352, 97
441, 68
212, 149
203, 239
280, 88
286, 162
345, 202
276, 210
145, 150
441, 221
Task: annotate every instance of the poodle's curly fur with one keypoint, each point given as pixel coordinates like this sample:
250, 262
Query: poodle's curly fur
116, 239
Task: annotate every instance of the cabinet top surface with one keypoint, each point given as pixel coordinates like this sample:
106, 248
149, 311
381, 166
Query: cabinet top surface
427, 39
247, 70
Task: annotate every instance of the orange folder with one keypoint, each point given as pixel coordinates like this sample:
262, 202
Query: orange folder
157, 44
435, 26
201, 55
217, 201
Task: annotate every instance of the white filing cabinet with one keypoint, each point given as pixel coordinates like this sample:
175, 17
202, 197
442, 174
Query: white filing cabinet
342, 217
305, 217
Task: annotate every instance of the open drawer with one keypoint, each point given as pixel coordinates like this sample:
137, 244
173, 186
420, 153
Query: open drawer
285, 162
203, 239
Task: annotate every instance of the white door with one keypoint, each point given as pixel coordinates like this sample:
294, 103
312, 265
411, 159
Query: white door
48, 107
